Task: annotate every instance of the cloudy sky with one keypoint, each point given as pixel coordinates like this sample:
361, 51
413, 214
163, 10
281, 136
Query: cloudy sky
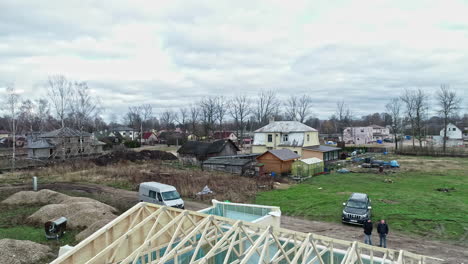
171, 53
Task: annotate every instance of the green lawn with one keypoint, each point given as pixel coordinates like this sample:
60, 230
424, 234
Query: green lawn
410, 204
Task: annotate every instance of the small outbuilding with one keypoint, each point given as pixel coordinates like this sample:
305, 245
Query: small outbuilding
277, 160
194, 152
325, 153
307, 167
231, 165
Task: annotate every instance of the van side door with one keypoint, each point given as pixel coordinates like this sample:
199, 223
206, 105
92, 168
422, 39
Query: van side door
152, 195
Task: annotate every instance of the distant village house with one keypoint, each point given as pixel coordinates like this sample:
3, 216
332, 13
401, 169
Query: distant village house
194, 152
63, 143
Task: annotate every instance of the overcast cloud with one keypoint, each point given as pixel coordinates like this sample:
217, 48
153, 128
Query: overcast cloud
172, 53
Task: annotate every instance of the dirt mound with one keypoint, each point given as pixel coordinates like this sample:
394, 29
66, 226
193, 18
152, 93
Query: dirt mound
22, 251
91, 229
40, 197
79, 214
117, 156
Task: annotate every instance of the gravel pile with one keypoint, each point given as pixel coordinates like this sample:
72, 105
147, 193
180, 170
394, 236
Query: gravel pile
22, 251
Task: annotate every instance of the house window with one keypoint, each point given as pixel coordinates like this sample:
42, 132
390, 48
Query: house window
308, 138
68, 150
362, 130
285, 137
454, 129
270, 138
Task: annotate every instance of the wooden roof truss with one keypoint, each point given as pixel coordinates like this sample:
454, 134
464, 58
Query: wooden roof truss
149, 233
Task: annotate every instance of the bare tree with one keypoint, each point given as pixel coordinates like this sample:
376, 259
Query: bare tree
344, 117
303, 108
84, 108
27, 115
420, 110
183, 117
60, 92
43, 113
168, 118
208, 113
292, 108
449, 104
221, 109
194, 116
394, 110
12, 103
266, 106
240, 110
146, 114
408, 99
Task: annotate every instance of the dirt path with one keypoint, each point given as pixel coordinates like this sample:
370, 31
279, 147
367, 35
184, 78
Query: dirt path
125, 199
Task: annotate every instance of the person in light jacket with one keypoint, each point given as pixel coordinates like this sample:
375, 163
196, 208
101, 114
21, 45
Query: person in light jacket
382, 229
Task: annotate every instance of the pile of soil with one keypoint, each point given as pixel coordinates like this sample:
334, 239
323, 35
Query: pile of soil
79, 215
22, 251
117, 156
40, 197
81, 212
91, 229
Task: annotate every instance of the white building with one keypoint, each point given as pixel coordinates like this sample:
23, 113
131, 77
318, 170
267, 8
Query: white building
454, 136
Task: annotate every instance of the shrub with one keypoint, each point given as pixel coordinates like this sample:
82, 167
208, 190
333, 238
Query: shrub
132, 144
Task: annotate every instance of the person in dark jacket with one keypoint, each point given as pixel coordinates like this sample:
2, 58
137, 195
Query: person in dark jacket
367, 232
382, 229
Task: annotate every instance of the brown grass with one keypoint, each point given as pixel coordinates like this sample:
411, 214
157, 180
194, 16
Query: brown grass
128, 175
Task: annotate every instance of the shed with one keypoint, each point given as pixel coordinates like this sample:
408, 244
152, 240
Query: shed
231, 165
277, 160
307, 167
325, 153
196, 151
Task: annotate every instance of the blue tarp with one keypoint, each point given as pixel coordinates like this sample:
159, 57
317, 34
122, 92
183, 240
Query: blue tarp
394, 164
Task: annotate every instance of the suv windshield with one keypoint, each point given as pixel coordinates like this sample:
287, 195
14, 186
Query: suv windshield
356, 204
172, 195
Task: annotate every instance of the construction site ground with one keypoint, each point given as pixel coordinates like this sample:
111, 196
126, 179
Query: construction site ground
125, 199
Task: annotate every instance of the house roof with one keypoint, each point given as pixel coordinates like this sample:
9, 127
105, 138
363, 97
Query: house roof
222, 134
4, 132
285, 127
147, 135
311, 160
202, 148
376, 126
227, 161
194, 148
218, 146
40, 144
123, 128
282, 154
321, 148
64, 132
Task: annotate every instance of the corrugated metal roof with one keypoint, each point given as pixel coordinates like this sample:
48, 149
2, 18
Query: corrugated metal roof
40, 144
311, 160
284, 154
321, 148
285, 127
64, 132
232, 162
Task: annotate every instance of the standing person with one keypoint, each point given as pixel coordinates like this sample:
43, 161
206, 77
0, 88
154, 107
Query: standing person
368, 232
382, 229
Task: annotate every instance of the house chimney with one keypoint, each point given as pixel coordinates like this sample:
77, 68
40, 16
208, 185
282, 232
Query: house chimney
272, 119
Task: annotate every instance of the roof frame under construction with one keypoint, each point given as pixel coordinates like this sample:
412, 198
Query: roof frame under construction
149, 233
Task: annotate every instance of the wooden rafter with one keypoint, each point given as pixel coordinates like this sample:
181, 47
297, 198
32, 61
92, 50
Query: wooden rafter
161, 234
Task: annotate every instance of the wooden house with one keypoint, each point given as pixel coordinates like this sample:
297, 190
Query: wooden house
278, 161
194, 152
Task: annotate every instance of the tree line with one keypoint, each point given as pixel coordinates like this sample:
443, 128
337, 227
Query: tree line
73, 104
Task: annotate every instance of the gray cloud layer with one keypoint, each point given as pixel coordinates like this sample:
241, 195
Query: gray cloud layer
172, 53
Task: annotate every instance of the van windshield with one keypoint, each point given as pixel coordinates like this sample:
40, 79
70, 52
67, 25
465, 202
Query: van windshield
172, 195
356, 204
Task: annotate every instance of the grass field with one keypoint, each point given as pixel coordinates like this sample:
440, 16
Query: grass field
410, 204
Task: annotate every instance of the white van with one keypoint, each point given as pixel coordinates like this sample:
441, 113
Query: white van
158, 193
